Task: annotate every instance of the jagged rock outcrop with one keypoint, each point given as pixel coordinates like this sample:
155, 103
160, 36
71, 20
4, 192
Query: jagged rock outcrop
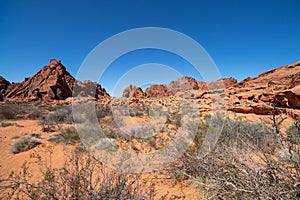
53, 82
280, 86
187, 87
188, 83
158, 91
3, 83
133, 92
3, 87
223, 83
190, 88
288, 98
183, 84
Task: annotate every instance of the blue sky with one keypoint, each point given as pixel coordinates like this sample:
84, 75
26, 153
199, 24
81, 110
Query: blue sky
244, 38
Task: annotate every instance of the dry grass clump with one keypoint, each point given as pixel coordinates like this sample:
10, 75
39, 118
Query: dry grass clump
25, 143
68, 136
6, 124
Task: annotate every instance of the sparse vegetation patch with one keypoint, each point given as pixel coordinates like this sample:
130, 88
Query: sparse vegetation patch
25, 143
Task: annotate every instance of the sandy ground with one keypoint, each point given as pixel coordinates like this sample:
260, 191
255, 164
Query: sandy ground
164, 187
249, 117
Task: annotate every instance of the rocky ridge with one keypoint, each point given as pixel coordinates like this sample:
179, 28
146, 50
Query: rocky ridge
52, 82
279, 87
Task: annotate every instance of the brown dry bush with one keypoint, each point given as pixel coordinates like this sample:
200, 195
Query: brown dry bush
25, 143
10, 111
242, 165
68, 136
81, 177
294, 133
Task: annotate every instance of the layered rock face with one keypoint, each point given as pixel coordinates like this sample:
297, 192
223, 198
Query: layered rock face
52, 82
187, 83
280, 86
223, 83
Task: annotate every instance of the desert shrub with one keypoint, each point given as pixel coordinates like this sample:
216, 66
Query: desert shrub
152, 142
129, 111
59, 116
6, 124
241, 134
88, 112
293, 133
25, 143
21, 111
139, 131
240, 165
36, 113
81, 177
68, 136
135, 112
174, 119
102, 111
111, 133
10, 111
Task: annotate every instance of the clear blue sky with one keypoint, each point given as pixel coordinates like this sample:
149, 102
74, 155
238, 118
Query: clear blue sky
244, 38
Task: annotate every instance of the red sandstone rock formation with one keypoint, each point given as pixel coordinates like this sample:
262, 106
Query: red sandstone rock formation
133, 92
3, 87
52, 82
158, 91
